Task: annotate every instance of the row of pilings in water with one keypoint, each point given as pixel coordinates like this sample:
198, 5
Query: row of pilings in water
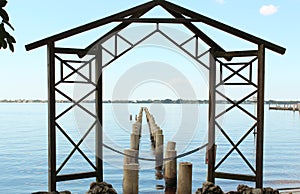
165, 162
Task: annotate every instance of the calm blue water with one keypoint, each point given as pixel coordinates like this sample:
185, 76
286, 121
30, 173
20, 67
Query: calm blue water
23, 145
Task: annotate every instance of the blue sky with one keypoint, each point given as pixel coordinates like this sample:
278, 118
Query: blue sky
23, 74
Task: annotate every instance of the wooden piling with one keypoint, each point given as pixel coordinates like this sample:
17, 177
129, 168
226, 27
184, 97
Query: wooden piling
171, 145
131, 179
159, 147
131, 156
152, 129
139, 117
153, 132
130, 117
140, 128
134, 141
136, 128
170, 168
156, 130
184, 178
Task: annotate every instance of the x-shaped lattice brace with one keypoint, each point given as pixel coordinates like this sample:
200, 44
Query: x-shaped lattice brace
235, 147
224, 81
237, 73
243, 81
63, 80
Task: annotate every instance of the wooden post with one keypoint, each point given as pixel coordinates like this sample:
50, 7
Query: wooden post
151, 134
157, 131
140, 115
159, 147
139, 118
260, 116
134, 141
185, 178
152, 128
130, 117
136, 128
131, 156
51, 119
170, 168
139, 127
131, 179
171, 145
99, 112
211, 122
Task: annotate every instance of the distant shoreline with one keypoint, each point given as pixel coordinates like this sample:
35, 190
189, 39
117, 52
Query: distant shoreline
166, 101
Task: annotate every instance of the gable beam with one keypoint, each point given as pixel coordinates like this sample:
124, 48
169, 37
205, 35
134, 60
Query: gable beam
90, 26
195, 30
223, 27
119, 27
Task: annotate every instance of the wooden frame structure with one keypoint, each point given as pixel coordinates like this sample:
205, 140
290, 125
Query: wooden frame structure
123, 19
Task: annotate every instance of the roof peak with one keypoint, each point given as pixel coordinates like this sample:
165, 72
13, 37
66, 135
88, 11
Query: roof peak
176, 10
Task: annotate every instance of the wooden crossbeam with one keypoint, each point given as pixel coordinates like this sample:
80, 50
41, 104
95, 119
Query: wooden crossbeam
76, 176
232, 176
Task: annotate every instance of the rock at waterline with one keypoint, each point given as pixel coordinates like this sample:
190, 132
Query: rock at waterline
101, 188
244, 189
209, 188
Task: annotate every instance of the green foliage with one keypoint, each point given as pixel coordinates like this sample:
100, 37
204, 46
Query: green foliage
5, 38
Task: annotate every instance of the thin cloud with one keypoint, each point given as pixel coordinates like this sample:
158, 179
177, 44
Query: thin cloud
220, 1
268, 9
